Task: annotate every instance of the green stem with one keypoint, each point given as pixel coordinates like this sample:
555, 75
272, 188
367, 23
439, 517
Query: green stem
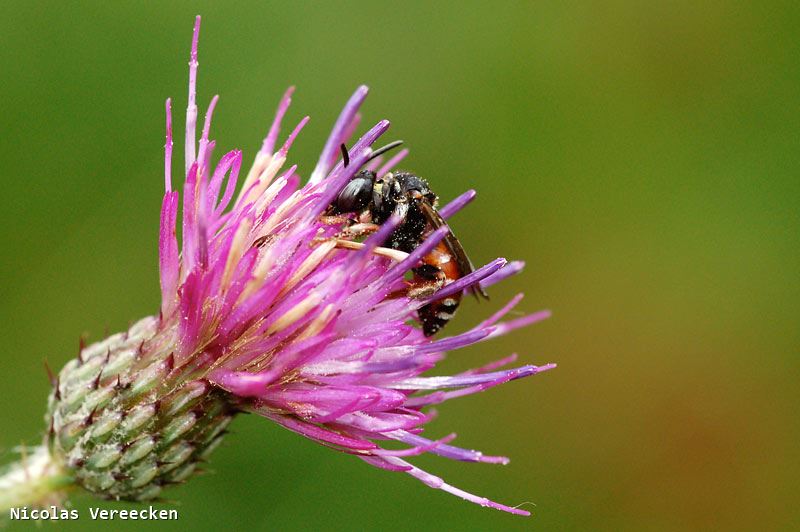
36, 480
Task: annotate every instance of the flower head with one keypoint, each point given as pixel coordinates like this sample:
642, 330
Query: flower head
268, 308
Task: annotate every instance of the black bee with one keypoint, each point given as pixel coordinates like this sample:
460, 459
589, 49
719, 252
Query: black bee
409, 196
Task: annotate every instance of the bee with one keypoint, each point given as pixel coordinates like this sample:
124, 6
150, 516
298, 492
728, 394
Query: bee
374, 200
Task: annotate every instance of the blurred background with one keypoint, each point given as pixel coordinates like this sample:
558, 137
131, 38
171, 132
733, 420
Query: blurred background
641, 157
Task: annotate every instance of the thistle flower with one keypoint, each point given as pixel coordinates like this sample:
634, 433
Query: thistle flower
267, 309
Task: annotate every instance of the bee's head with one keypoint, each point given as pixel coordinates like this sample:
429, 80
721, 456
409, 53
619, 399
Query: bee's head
357, 193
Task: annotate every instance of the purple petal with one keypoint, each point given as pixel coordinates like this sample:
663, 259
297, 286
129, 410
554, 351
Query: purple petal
437, 483
505, 361
288, 144
320, 434
508, 326
457, 204
449, 451
168, 149
168, 260
191, 109
465, 282
497, 316
417, 450
336, 138
203, 152
391, 163
456, 342
381, 463
512, 268
242, 383
268, 146
437, 383
231, 161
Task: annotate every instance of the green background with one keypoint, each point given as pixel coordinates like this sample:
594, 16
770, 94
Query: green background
642, 157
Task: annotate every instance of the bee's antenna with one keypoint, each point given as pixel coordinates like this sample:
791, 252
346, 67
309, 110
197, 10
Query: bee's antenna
345, 155
384, 149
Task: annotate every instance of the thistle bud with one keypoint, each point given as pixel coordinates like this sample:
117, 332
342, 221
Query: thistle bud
124, 421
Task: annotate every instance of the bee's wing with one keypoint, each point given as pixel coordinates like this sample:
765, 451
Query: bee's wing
452, 243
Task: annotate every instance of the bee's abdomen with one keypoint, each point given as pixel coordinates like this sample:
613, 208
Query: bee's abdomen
435, 315
439, 263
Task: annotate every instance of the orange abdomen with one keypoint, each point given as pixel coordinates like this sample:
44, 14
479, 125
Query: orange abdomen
436, 314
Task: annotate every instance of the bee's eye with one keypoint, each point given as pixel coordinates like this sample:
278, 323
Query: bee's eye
355, 196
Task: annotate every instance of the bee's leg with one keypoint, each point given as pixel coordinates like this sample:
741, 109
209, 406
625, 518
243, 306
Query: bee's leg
335, 219
352, 232
358, 230
427, 280
356, 227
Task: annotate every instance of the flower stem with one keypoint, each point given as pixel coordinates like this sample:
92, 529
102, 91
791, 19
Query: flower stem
35, 480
